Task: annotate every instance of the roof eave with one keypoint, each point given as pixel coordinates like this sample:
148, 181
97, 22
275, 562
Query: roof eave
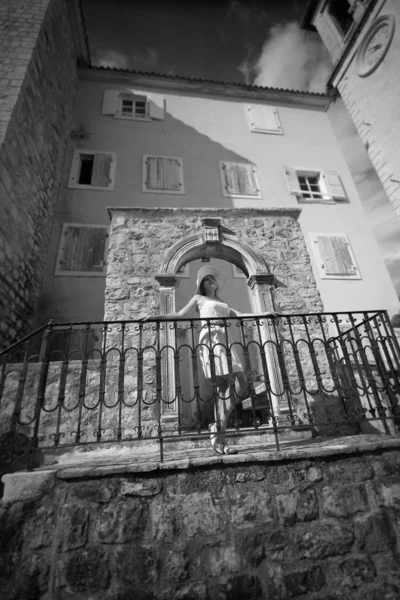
310, 100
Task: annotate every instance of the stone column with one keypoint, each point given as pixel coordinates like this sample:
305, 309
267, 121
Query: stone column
262, 286
169, 411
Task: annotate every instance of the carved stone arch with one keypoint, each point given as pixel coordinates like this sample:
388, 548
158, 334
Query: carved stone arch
228, 248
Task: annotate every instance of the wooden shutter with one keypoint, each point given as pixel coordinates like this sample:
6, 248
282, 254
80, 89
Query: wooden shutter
292, 181
263, 119
82, 250
101, 170
335, 257
156, 108
110, 102
239, 179
334, 185
163, 173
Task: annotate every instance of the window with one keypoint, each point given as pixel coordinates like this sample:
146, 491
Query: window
263, 119
315, 186
82, 250
162, 174
334, 256
239, 180
133, 104
92, 170
340, 13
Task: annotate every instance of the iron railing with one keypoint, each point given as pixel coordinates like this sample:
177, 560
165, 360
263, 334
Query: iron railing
78, 384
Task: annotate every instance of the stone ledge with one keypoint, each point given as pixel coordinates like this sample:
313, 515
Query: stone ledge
232, 213
178, 461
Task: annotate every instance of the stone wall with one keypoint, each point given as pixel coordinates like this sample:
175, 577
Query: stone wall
312, 528
37, 90
140, 239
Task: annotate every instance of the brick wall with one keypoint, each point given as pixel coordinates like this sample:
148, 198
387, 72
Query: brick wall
37, 89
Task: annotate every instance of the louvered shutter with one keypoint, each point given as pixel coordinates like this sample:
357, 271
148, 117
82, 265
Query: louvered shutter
101, 170
239, 180
334, 185
110, 102
82, 249
335, 256
292, 181
163, 173
231, 184
263, 119
247, 183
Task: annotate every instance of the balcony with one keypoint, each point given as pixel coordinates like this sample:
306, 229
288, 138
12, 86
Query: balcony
86, 386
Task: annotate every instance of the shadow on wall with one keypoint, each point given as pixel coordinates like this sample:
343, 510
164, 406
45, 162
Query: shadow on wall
68, 298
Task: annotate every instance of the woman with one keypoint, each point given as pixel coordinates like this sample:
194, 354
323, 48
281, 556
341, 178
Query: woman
213, 337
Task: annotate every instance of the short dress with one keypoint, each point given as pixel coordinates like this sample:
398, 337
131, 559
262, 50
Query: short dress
214, 336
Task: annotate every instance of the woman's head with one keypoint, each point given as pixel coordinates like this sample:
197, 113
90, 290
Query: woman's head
208, 283
209, 278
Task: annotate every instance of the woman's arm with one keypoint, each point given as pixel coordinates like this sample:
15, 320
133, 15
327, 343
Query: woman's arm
269, 313
178, 315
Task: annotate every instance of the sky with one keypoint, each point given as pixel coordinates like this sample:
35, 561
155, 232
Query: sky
253, 42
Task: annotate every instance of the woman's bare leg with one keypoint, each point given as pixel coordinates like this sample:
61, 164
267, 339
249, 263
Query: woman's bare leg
222, 410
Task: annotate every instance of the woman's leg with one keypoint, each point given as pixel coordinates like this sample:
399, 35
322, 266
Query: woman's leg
223, 407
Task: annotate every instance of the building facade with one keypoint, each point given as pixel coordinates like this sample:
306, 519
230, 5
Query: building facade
363, 39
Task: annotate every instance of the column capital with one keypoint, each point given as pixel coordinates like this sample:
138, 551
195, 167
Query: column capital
168, 280
261, 279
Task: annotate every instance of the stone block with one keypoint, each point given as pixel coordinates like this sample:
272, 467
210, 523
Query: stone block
251, 506
221, 559
141, 488
20, 487
238, 588
87, 571
300, 505
321, 539
200, 515
344, 500
73, 527
119, 524
92, 491
374, 533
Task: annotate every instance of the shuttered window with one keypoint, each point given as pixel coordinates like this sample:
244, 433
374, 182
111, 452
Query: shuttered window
239, 180
334, 256
263, 119
92, 170
82, 250
163, 174
315, 186
133, 104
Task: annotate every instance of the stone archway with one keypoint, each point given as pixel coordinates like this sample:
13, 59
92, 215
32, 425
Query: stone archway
215, 241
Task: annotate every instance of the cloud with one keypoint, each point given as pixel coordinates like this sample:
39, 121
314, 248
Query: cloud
247, 66
246, 12
144, 60
112, 59
141, 61
294, 59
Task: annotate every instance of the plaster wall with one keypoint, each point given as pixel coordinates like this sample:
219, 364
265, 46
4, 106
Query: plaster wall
204, 129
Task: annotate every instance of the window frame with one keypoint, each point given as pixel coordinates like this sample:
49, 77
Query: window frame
225, 191
73, 179
147, 190
126, 96
327, 193
59, 272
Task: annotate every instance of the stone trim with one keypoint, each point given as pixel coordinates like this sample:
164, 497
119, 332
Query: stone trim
242, 213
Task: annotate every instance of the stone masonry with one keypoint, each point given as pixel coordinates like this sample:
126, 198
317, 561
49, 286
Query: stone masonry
323, 527
37, 89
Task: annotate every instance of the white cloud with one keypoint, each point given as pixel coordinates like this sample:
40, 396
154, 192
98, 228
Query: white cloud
112, 59
294, 59
141, 61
